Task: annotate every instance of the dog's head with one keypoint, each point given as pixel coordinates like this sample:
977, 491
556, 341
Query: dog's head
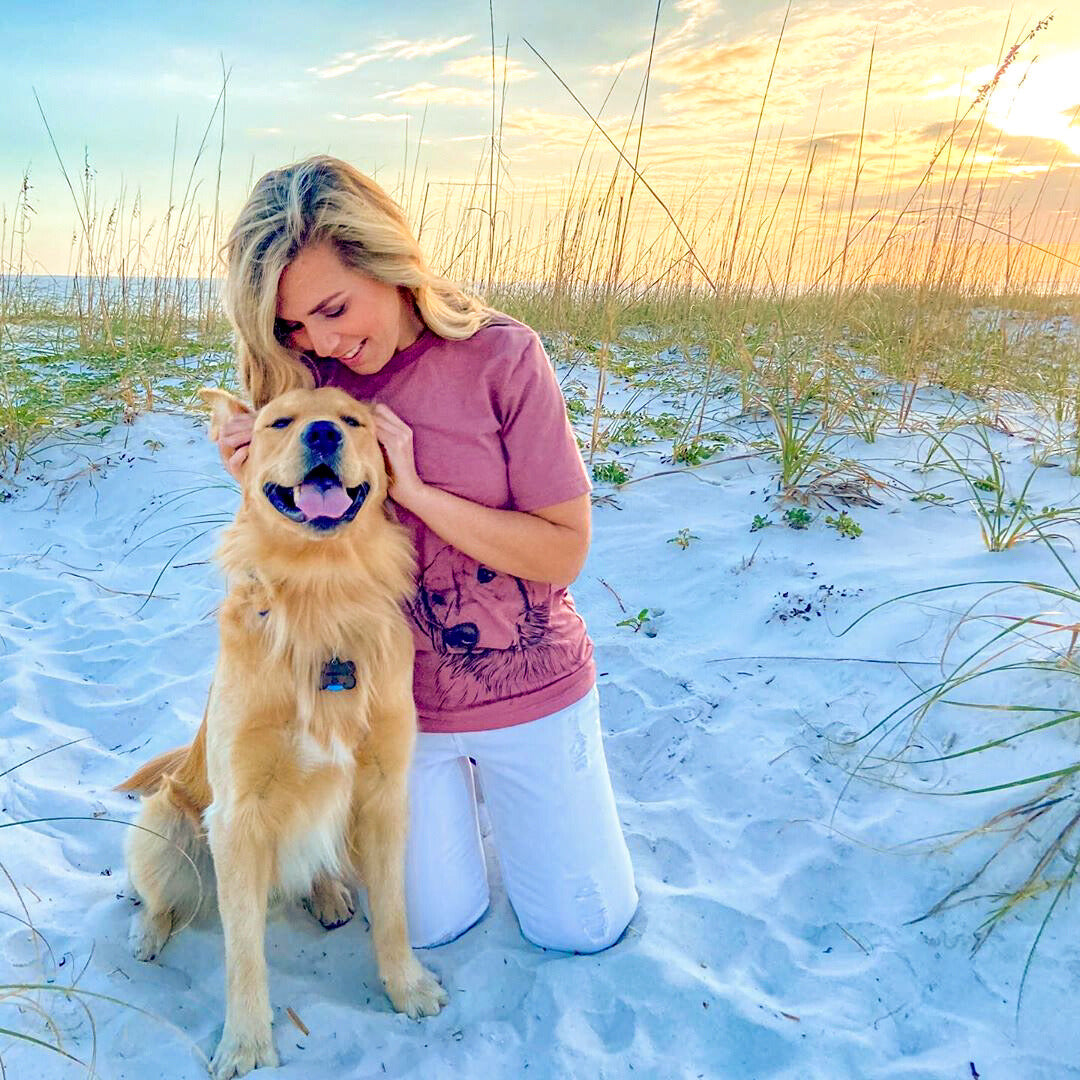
314, 460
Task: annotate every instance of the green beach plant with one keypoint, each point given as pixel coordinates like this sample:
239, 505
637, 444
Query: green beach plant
683, 539
1038, 653
610, 472
844, 524
1005, 518
797, 517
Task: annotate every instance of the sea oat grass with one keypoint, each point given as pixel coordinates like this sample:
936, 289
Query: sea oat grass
35, 1005
1035, 654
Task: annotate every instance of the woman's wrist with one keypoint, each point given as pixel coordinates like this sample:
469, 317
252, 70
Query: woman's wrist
416, 498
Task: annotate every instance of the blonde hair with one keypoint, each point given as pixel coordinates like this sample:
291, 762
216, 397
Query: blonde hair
317, 201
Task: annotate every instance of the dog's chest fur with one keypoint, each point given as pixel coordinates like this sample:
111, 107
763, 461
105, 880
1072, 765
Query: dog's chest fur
318, 845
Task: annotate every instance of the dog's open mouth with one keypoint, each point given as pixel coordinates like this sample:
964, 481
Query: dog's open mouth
319, 500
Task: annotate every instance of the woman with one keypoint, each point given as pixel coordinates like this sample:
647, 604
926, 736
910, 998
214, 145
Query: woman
327, 286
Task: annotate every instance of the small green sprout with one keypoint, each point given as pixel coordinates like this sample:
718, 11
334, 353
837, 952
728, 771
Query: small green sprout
627, 434
797, 517
845, 525
666, 425
636, 621
692, 453
759, 522
683, 538
576, 408
643, 620
610, 472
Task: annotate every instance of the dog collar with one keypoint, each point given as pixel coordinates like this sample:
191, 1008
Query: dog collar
338, 675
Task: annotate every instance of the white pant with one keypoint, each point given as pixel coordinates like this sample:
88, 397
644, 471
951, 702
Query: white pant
561, 850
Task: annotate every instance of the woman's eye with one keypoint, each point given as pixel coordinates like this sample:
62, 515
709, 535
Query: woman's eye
351, 421
335, 313
282, 422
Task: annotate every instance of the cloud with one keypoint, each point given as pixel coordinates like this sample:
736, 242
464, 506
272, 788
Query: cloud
430, 48
479, 67
372, 118
428, 93
697, 14
711, 77
539, 131
1027, 150
342, 64
399, 49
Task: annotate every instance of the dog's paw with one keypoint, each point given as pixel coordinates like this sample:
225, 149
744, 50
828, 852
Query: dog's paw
149, 933
237, 1055
416, 992
330, 902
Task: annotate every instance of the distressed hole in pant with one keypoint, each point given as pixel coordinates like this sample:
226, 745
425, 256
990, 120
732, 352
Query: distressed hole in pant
594, 916
581, 750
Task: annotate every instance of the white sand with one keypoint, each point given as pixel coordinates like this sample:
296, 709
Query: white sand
771, 938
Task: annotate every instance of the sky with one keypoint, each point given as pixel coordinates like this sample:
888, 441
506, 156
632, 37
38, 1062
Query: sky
408, 88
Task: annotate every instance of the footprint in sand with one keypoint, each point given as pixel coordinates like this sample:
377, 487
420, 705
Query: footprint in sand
614, 1027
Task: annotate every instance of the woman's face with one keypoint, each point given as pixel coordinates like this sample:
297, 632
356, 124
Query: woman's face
332, 310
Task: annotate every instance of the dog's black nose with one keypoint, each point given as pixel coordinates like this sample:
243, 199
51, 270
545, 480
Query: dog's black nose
463, 636
322, 438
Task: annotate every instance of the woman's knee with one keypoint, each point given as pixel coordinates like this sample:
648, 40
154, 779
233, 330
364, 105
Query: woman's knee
592, 920
431, 932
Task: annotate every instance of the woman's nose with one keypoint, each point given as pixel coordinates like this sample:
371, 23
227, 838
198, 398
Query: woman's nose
321, 341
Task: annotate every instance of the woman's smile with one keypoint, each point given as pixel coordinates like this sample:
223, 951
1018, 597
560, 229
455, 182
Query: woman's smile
354, 353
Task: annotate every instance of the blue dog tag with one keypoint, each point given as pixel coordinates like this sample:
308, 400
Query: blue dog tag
338, 675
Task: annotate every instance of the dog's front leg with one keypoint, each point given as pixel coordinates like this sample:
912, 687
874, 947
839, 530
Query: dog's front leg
410, 986
242, 857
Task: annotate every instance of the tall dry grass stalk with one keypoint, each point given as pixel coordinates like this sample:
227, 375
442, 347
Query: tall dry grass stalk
139, 284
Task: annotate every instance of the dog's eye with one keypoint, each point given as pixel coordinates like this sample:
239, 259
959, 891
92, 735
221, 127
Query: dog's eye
282, 422
351, 421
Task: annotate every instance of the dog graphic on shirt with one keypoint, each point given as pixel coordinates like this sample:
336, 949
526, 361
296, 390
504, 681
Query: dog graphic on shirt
491, 637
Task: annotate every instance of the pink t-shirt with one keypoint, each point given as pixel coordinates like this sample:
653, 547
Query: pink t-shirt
489, 424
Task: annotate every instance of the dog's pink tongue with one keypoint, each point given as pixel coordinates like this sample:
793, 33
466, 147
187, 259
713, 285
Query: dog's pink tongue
313, 502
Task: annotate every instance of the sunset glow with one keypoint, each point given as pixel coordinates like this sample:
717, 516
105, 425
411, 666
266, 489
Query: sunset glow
860, 94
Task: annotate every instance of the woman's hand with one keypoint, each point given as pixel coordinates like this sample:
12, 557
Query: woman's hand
233, 439
397, 440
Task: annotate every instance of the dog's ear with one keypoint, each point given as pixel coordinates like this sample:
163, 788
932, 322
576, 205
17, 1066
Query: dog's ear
223, 406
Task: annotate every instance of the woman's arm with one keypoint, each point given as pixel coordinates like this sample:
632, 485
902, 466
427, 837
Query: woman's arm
549, 544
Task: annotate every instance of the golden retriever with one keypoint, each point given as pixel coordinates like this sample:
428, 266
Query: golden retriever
296, 780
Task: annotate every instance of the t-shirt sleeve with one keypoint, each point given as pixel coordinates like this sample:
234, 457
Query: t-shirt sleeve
543, 462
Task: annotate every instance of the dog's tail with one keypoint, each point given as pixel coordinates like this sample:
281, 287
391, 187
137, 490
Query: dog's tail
148, 779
